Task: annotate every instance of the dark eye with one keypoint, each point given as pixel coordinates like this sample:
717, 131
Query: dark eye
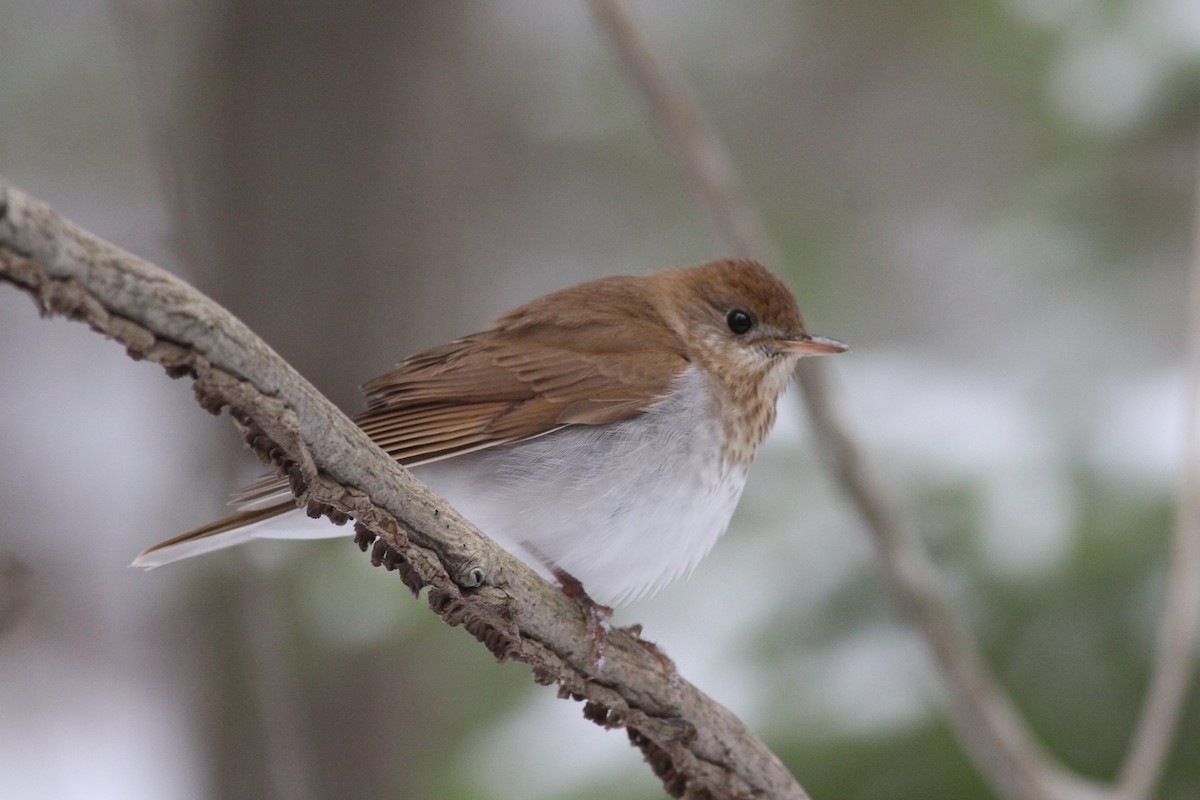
739, 321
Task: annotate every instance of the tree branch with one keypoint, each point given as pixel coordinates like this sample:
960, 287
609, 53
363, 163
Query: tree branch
696, 747
1175, 663
703, 161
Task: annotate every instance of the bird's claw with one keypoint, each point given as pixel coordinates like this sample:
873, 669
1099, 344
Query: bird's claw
595, 616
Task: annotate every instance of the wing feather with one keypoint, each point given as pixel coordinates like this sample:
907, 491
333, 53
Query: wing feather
593, 354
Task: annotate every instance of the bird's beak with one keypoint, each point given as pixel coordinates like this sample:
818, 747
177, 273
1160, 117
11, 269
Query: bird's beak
812, 346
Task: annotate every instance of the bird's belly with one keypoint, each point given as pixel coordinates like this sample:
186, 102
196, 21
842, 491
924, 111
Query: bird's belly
625, 507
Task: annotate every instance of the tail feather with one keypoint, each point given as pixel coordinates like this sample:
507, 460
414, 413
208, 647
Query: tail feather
236, 528
270, 489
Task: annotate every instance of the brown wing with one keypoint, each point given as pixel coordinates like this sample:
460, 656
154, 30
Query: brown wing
589, 355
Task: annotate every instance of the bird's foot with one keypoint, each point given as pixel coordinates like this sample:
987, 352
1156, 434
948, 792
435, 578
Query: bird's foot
650, 647
595, 615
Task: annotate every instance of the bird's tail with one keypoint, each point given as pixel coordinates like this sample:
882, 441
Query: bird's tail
280, 520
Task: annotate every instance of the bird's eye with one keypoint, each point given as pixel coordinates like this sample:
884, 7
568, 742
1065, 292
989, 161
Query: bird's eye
739, 321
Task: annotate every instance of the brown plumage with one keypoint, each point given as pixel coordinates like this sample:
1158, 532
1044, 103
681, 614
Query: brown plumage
535, 370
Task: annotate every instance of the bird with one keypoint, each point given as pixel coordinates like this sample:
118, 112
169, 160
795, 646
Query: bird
601, 433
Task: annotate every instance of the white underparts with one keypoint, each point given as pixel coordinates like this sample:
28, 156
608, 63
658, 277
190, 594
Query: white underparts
625, 508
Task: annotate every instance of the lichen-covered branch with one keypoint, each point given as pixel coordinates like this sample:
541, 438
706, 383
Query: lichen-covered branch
697, 747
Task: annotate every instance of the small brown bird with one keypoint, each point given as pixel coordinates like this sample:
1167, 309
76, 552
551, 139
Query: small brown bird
601, 433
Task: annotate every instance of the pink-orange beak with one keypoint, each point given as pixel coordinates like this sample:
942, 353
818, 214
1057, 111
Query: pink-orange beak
814, 345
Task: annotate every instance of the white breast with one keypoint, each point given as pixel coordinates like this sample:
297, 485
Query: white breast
625, 508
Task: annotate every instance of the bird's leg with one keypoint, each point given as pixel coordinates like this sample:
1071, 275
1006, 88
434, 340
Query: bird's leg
597, 618
595, 615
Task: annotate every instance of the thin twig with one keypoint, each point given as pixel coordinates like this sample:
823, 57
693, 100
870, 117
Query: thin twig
1174, 662
987, 722
702, 159
695, 746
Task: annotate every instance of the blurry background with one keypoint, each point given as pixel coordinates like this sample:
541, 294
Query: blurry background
990, 201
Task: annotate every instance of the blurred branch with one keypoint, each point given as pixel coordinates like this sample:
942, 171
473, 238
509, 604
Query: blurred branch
702, 159
139, 27
272, 676
14, 590
695, 746
987, 722
1174, 662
